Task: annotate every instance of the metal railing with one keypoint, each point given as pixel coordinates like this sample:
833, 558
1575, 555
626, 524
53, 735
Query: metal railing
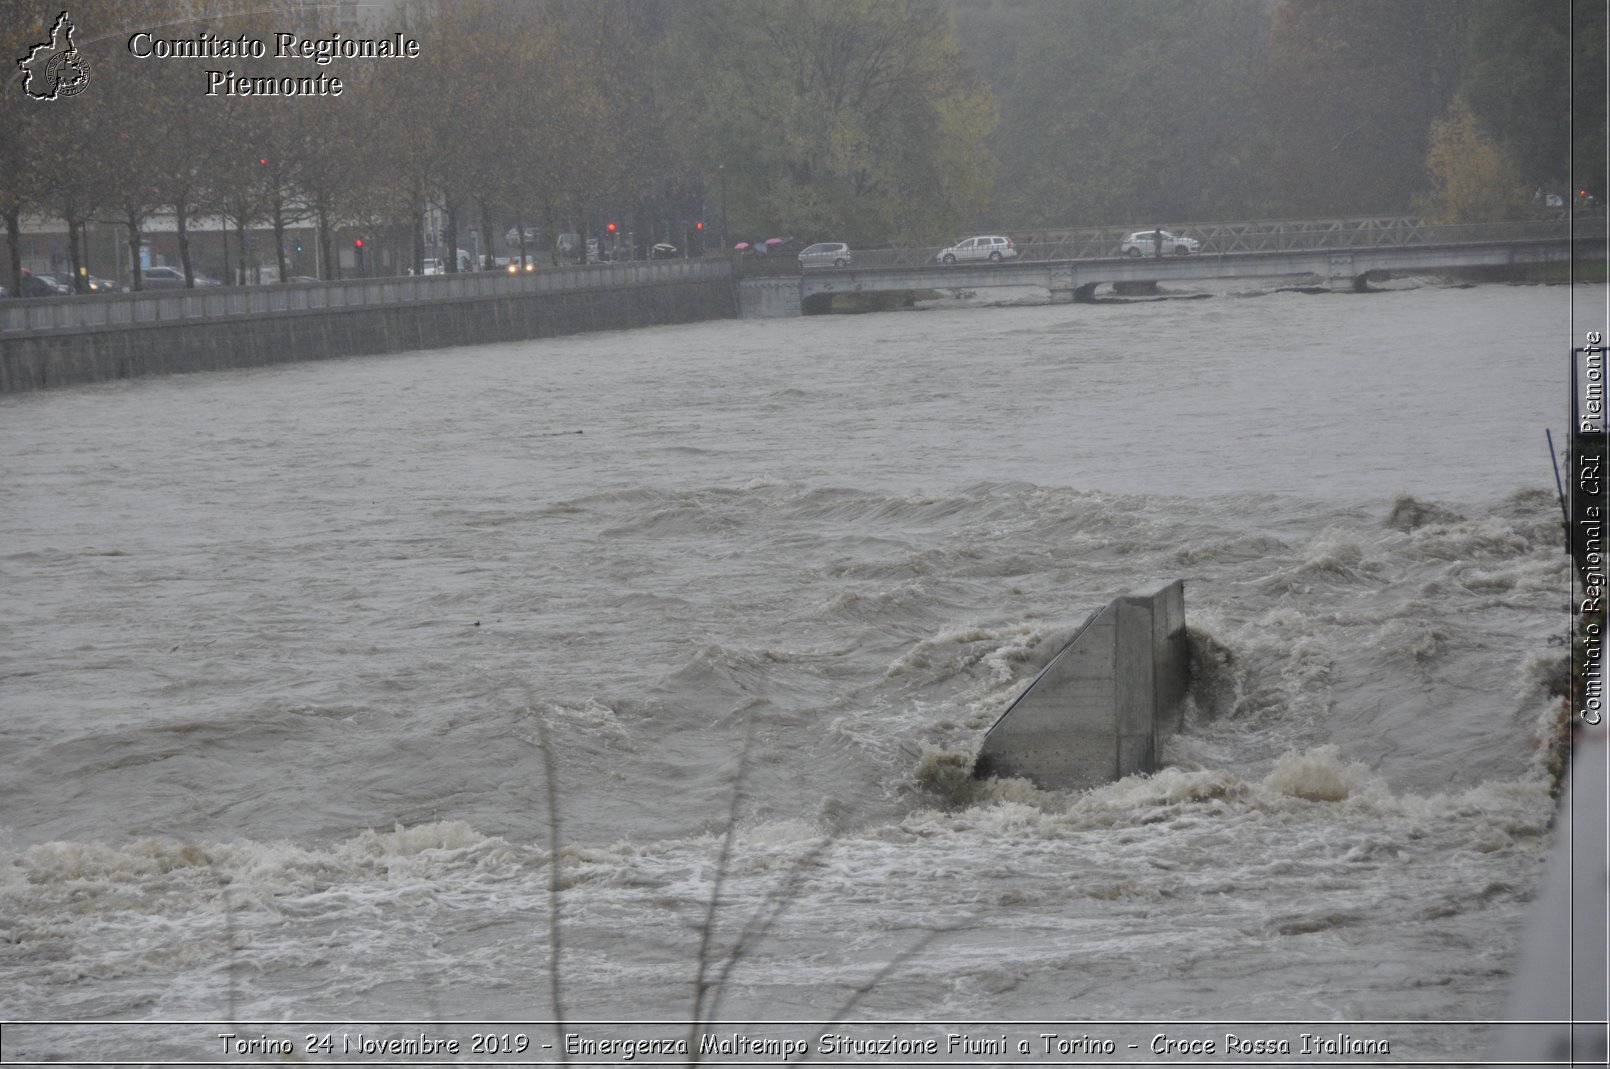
118, 310
1096, 243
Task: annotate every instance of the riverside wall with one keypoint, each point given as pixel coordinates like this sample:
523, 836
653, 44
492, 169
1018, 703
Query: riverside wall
63, 341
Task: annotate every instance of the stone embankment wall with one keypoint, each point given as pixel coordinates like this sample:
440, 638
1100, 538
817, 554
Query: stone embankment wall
1103, 707
63, 341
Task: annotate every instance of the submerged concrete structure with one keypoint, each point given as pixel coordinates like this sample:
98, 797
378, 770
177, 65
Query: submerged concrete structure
1103, 706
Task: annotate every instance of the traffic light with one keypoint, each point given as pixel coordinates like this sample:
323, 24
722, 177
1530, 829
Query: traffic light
262, 161
357, 243
699, 225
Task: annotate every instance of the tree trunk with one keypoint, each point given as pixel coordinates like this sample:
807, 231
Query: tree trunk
240, 234
136, 242
14, 241
489, 261
75, 229
279, 237
450, 254
417, 235
331, 269
181, 209
81, 284
132, 221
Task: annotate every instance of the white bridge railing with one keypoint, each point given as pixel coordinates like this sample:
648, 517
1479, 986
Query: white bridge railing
1094, 243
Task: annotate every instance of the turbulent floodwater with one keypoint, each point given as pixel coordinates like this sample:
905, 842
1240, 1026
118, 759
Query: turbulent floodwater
281, 647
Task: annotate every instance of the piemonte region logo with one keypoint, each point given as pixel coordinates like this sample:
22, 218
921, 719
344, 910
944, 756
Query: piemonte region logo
54, 69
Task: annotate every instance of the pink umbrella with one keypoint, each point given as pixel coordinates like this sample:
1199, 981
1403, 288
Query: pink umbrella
741, 246
775, 241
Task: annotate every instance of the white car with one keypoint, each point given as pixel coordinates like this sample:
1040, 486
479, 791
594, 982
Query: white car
991, 247
162, 277
1144, 243
826, 254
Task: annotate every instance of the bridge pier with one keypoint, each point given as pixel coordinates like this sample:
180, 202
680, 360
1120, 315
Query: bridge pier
1061, 285
769, 298
1343, 277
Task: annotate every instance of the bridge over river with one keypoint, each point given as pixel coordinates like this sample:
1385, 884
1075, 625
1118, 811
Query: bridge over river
1070, 268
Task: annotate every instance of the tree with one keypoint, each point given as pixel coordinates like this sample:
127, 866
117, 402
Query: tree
1116, 112
1516, 83
22, 185
130, 124
847, 117
1472, 178
1352, 90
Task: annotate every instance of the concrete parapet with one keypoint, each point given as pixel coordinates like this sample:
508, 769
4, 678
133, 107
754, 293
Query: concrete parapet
1101, 709
42, 358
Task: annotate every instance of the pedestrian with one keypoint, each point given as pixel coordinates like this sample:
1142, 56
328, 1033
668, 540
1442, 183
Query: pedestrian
1157, 242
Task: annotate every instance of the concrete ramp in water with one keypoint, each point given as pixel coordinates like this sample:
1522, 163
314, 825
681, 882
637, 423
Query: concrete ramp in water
1101, 709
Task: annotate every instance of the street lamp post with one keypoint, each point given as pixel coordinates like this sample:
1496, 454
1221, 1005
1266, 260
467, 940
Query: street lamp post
721, 171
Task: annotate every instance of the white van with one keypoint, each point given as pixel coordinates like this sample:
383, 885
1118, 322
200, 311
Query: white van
433, 266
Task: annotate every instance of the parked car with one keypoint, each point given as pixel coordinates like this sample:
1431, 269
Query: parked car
826, 254
62, 284
103, 285
1144, 243
37, 286
989, 247
162, 277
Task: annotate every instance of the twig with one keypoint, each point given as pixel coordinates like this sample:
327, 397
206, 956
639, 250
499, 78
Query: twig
696, 1019
766, 915
1558, 485
550, 779
878, 977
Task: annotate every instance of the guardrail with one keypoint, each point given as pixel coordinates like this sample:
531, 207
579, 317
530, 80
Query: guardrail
119, 310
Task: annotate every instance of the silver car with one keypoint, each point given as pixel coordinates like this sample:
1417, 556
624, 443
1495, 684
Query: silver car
826, 254
169, 278
991, 247
1146, 243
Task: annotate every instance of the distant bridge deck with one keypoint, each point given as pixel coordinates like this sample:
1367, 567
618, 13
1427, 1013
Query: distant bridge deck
1070, 279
